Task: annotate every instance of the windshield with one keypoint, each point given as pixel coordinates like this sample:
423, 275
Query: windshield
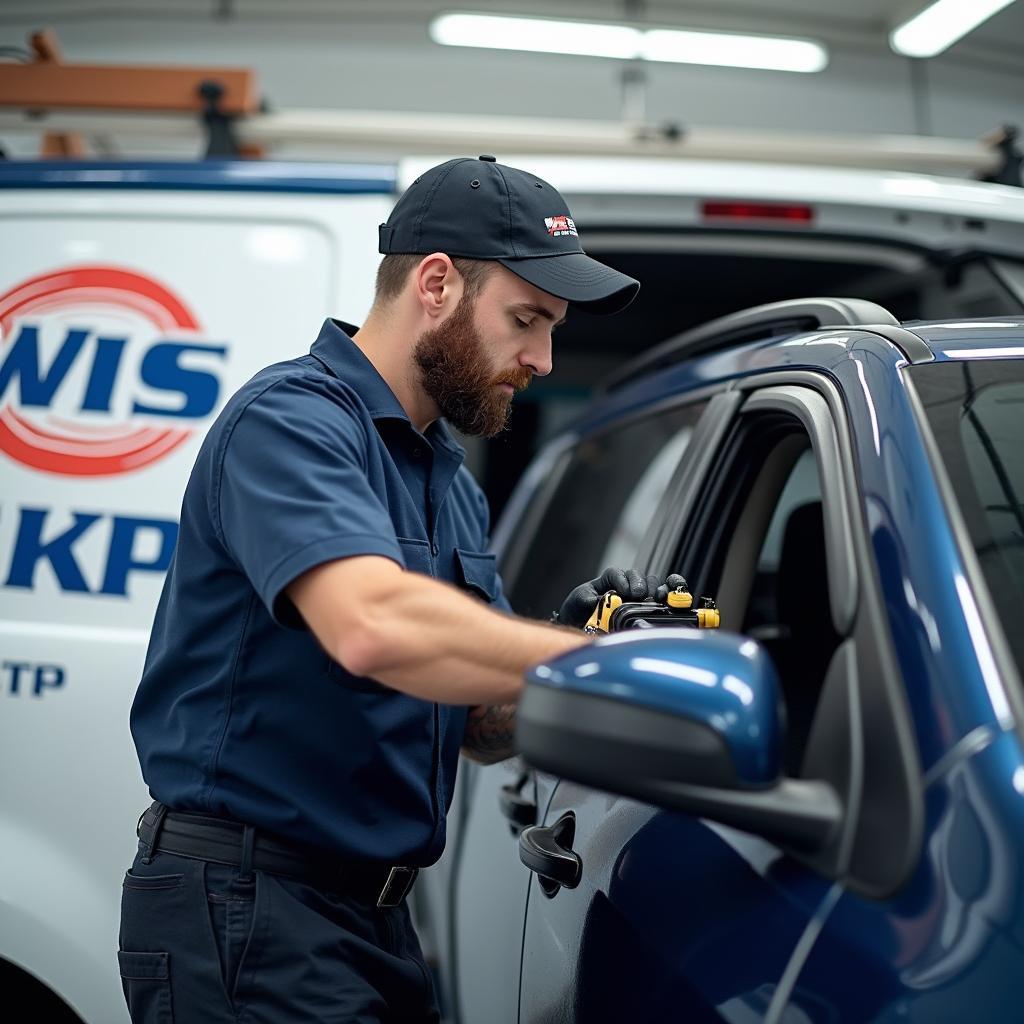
976, 410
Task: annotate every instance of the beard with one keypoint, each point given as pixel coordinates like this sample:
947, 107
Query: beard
456, 373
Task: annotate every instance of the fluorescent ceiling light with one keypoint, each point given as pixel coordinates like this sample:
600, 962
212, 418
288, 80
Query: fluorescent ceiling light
735, 51
623, 42
941, 24
541, 35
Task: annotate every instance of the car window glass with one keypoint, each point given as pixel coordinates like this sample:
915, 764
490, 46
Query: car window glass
602, 508
991, 434
975, 409
642, 502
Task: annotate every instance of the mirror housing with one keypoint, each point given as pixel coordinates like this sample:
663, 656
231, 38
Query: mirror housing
689, 720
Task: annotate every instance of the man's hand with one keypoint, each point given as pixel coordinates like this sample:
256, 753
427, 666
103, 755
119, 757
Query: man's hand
629, 584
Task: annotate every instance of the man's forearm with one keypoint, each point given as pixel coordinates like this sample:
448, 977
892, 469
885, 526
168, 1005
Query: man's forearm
490, 733
438, 643
420, 636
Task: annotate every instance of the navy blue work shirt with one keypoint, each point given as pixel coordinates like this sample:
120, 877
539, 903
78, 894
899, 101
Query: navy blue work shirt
240, 712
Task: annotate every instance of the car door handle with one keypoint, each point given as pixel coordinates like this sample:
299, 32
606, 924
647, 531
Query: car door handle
520, 810
548, 851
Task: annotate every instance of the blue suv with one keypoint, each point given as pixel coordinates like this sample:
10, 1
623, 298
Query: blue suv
816, 813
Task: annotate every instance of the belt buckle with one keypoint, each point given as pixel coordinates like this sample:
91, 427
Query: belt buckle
398, 884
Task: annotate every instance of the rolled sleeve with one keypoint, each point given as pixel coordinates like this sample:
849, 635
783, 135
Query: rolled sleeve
293, 490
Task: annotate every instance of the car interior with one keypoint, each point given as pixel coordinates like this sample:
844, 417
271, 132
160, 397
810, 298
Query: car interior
770, 576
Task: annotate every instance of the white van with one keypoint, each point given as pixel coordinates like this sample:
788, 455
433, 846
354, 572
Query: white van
135, 298
133, 302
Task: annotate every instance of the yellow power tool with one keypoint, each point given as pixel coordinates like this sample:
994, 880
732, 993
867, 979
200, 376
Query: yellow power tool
612, 614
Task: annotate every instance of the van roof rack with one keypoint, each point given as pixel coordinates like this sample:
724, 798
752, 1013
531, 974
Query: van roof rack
772, 320
42, 82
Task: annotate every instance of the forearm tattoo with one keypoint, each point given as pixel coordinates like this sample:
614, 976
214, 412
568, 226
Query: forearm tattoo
490, 731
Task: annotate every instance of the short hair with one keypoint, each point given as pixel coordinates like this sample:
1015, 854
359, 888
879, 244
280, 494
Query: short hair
395, 268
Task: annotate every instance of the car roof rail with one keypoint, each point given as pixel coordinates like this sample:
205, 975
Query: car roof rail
772, 320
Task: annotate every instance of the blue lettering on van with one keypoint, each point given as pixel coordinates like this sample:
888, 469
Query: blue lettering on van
22, 362
29, 549
104, 372
161, 370
38, 678
121, 559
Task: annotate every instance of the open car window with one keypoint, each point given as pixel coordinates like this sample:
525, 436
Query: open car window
757, 544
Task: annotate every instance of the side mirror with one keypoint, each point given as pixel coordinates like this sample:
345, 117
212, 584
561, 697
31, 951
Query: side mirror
688, 720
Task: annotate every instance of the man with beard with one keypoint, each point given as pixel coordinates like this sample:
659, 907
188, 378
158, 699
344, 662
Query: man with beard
332, 630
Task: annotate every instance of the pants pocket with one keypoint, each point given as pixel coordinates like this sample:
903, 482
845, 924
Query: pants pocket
146, 980
152, 883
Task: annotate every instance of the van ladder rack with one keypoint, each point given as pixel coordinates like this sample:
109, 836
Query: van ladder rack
775, 319
214, 96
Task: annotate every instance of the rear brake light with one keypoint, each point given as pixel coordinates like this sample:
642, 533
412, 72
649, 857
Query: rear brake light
759, 211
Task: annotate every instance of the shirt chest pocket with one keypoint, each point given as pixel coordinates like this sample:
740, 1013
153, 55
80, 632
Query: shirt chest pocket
477, 573
416, 555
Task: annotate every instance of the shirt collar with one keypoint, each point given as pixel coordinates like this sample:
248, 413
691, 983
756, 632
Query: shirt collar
336, 350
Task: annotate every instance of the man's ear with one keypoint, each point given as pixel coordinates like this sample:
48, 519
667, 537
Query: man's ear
437, 285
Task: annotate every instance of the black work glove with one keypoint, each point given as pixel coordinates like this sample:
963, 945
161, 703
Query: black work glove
672, 582
629, 584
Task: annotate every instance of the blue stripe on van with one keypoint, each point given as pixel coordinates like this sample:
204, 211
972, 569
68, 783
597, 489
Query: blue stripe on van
203, 175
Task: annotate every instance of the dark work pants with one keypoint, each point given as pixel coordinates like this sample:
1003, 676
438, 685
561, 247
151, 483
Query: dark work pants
198, 943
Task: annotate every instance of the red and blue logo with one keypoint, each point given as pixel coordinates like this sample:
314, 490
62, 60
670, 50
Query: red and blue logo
102, 371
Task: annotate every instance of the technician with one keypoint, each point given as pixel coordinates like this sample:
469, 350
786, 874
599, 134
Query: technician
332, 631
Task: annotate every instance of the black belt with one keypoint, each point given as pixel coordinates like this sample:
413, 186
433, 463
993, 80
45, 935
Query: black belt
223, 841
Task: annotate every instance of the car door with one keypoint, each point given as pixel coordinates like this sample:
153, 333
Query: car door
588, 502
676, 917
947, 945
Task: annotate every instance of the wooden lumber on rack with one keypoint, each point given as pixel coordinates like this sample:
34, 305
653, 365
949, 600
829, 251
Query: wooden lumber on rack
49, 84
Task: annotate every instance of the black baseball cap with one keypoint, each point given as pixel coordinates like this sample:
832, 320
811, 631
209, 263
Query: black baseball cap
482, 210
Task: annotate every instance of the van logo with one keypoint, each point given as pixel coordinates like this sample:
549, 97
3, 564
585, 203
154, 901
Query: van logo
102, 371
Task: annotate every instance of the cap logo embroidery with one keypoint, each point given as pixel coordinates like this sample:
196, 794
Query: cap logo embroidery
560, 225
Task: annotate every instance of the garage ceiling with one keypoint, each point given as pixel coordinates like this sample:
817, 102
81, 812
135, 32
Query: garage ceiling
370, 55
845, 24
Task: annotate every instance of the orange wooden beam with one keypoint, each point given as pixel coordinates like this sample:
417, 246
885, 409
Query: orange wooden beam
49, 84
58, 146
100, 87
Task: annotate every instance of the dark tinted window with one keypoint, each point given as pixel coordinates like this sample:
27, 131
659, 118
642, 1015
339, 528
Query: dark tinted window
976, 411
602, 508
